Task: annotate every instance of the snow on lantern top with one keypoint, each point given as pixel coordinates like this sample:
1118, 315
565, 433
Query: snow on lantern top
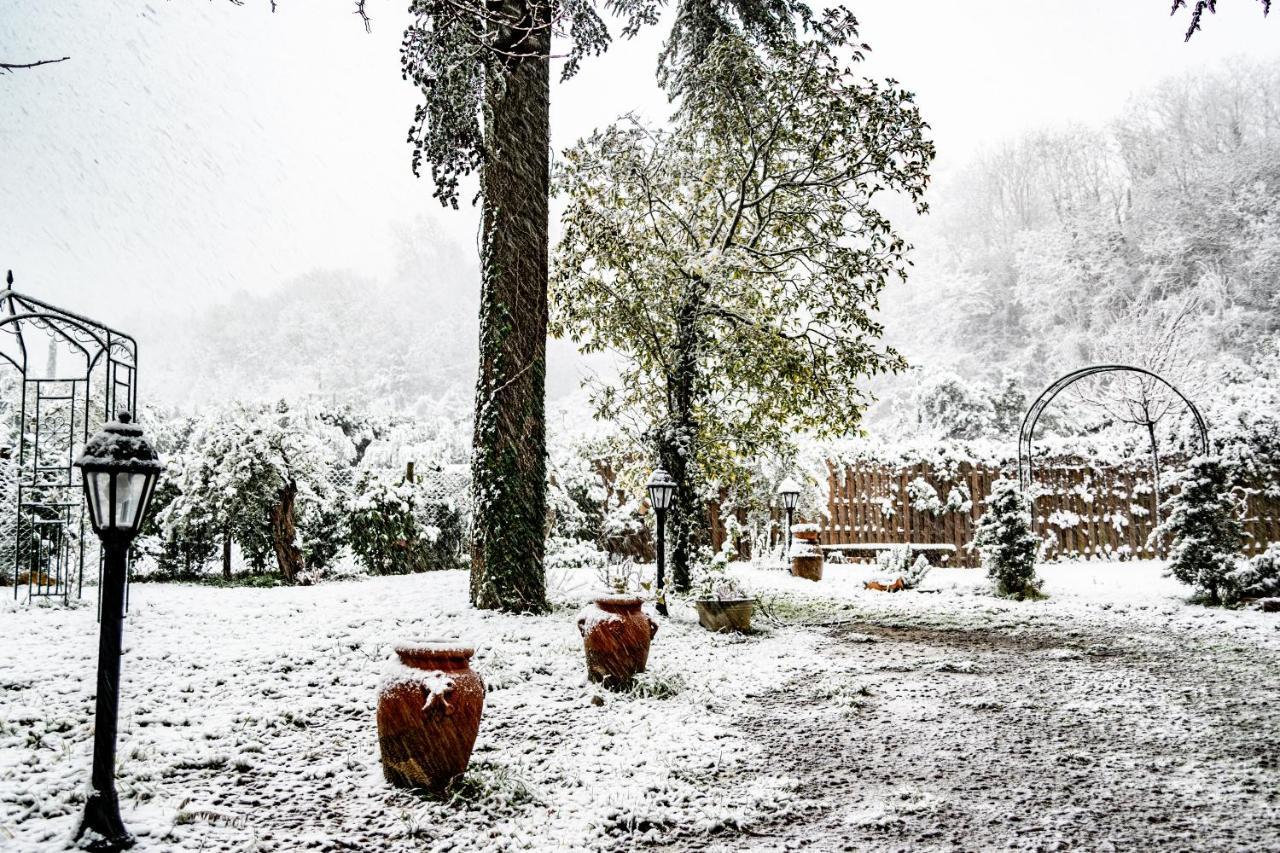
120, 446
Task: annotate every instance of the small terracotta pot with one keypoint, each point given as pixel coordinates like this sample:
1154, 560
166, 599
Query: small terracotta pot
718, 614
429, 715
808, 566
615, 635
804, 534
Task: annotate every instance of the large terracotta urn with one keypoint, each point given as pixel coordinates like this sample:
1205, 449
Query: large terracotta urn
429, 714
806, 553
615, 635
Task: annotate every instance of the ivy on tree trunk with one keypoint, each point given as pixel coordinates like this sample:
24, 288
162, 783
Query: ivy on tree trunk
509, 460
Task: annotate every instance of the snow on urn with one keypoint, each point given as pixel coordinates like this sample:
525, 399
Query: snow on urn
429, 714
615, 635
806, 554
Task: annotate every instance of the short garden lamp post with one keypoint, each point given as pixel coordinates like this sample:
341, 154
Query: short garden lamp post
790, 492
662, 490
120, 469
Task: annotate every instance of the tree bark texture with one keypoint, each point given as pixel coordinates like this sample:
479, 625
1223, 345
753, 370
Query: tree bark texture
284, 534
677, 445
509, 457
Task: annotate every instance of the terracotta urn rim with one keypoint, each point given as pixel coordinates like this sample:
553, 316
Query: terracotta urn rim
728, 601
614, 599
428, 654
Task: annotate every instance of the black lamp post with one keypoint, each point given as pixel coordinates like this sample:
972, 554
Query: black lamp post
662, 489
790, 492
120, 470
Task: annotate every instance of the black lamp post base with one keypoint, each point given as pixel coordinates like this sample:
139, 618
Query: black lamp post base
102, 830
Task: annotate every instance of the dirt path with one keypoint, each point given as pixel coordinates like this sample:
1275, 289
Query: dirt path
917, 737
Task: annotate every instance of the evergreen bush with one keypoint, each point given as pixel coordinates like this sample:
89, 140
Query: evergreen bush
1005, 541
1202, 521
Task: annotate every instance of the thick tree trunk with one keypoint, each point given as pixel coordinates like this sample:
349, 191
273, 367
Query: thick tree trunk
284, 534
677, 448
509, 464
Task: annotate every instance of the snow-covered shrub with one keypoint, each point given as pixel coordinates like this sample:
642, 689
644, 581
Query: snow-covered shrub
896, 562
568, 555
1202, 521
398, 526
385, 535
1257, 577
1245, 422
1003, 537
924, 497
714, 582
576, 494
949, 407
244, 465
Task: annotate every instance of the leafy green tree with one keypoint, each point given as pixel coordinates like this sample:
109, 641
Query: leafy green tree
735, 259
484, 72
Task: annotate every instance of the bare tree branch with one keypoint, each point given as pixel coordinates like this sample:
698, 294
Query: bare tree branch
13, 66
1199, 7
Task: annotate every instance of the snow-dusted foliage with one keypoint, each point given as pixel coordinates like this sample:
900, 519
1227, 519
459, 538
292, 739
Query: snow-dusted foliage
949, 407
1257, 577
399, 526
238, 466
924, 497
1244, 419
1201, 519
896, 563
713, 581
1004, 539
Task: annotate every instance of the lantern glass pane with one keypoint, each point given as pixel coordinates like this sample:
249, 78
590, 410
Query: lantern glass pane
97, 490
130, 491
660, 495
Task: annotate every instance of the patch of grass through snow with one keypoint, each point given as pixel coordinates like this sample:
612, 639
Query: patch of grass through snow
486, 784
656, 685
790, 609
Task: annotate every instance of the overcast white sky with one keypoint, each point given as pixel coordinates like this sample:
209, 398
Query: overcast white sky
193, 148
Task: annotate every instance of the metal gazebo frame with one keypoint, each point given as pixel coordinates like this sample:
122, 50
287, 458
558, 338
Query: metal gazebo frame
56, 415
1026, 434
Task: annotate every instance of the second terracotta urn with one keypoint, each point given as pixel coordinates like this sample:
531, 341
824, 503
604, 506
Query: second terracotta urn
615, 635
429, 715
806, 553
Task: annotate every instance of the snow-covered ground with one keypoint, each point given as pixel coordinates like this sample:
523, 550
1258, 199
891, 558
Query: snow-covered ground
248, 714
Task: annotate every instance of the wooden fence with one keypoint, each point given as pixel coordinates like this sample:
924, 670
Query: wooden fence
1084, 511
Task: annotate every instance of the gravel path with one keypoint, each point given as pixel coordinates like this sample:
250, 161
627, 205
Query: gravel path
1102, 736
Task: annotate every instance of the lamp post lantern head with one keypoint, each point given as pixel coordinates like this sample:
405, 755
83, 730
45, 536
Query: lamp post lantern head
662, 489
120, 469
790, 492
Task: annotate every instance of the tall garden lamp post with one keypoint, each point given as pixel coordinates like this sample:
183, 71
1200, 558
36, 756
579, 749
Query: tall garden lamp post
120, 470
790, 492
662, 490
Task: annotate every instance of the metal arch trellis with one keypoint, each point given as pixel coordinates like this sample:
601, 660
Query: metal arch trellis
1026, 434
44, 538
